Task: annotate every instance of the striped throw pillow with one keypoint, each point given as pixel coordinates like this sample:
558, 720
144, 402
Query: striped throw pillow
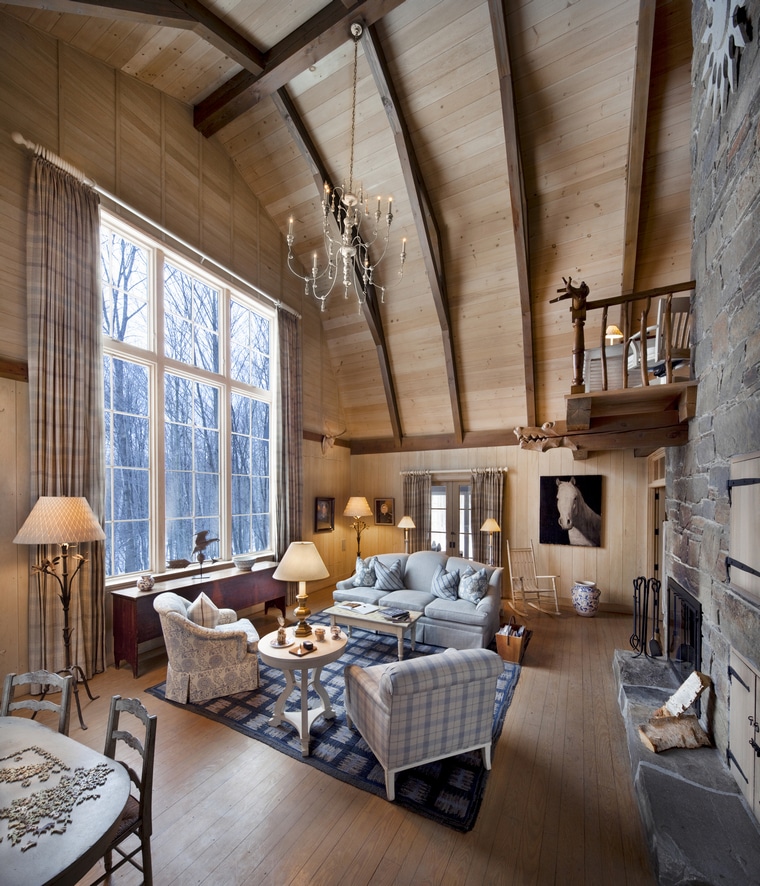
203, 612
389, 578
445, 584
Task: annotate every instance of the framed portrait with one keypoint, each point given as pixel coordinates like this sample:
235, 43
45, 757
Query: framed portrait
384, 511
571, 511
324, 514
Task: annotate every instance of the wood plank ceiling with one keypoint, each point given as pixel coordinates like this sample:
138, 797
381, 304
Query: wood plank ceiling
522, 141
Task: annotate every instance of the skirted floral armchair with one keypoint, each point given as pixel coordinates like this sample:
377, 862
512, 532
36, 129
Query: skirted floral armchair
211, 652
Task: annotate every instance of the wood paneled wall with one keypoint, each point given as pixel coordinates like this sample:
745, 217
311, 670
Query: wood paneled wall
140, 146
613, 566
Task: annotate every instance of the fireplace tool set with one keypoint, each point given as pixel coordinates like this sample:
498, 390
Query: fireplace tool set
642, 589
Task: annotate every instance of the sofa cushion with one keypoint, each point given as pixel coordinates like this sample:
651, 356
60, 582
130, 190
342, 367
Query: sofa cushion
421, 567
460, 612
445, 584
389, 578
473, 587
416, 601
202, 611
364, 576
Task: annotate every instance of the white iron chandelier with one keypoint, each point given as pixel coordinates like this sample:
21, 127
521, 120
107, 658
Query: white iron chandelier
348, 248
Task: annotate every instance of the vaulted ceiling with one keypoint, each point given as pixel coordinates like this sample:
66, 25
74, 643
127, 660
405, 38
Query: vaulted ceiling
523, 142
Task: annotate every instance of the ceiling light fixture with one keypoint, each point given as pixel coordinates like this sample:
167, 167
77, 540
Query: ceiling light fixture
348, 252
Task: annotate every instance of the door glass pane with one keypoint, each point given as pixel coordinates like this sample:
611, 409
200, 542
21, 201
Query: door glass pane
465, 521
438, 517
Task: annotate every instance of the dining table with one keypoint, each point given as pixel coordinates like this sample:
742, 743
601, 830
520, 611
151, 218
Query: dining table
60, 804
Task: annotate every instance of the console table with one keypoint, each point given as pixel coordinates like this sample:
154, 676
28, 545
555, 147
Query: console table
135, 620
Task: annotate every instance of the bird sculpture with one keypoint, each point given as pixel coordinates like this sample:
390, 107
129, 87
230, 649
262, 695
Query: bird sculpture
202, 541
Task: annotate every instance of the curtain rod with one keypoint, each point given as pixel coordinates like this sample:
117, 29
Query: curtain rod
413, 471
48, 155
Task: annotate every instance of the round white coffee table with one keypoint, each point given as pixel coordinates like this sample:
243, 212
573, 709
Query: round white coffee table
283, 659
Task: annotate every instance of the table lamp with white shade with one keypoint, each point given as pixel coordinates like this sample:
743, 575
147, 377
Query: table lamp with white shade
358, 507
301, 563
490, 526
62, 520
406, 523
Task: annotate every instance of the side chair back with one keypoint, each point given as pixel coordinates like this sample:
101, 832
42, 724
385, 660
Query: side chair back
49, 681
137, 817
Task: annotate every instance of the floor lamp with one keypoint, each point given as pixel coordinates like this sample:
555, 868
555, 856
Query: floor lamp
406, 523
301, 562
54, 518
490, 526
358, 507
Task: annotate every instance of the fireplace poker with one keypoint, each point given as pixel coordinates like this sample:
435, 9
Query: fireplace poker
655, 647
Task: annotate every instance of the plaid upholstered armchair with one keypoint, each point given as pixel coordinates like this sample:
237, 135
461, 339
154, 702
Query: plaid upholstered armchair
211, 651
423, 709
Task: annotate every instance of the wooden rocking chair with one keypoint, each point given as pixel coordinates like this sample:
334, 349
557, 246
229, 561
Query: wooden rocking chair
529, 589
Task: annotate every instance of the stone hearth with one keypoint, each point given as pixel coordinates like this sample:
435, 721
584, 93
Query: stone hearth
698, 826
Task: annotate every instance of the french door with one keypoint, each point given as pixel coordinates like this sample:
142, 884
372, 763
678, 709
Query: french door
451, 518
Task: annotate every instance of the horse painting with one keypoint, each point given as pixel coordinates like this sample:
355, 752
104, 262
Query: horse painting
582, 524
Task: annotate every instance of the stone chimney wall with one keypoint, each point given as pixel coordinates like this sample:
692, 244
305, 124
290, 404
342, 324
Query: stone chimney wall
725, 210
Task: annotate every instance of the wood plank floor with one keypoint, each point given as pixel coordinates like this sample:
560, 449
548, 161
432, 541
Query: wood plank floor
559, 807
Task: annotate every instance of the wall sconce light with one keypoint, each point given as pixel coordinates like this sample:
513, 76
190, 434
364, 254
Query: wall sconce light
490, 526
406, 523
358, 507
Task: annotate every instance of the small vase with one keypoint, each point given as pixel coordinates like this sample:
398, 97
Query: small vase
145, 582
585, 596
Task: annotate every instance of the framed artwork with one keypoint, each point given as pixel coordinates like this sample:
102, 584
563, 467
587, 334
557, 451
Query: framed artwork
384, 511
324, 514
571, 511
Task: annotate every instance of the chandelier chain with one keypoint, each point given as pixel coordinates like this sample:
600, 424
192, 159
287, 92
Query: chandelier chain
348, 251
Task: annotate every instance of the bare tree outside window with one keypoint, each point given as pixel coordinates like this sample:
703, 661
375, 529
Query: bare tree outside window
167, 413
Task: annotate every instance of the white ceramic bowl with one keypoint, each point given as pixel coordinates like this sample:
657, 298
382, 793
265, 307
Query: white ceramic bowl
244, 561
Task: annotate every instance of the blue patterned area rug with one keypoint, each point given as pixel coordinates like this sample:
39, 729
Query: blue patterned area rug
447, 791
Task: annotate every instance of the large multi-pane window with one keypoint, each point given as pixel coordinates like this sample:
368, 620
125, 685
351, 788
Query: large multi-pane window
187, 397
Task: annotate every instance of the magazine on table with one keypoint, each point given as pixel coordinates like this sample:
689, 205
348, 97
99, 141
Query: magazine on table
357, 607
394, 613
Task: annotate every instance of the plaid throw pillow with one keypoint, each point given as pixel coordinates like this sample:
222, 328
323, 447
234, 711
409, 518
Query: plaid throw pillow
365, 573
473, 587
445, 584
389, 578
203, 612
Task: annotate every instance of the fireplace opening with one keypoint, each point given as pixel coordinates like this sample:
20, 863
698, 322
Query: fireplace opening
684, 646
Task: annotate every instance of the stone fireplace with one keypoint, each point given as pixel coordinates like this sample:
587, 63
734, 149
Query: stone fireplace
684, 625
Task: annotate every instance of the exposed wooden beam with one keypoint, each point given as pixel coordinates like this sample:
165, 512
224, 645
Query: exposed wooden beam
308, 149
636, 141
427, 443
422, 211
498, 12
184, 14
316, 38
14, 370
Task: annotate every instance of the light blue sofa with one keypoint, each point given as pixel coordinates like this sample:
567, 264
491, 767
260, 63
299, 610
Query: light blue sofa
452, 623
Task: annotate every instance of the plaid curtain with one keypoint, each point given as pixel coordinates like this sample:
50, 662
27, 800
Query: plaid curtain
487, 486
66, 400
289, 493
417, 506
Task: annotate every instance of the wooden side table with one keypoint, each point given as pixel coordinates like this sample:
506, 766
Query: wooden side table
282, 658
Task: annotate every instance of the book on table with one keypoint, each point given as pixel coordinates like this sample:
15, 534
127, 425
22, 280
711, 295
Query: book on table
394, 613
357, 607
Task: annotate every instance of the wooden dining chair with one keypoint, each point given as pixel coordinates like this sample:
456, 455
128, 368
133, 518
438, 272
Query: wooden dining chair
137, 817
49, 682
